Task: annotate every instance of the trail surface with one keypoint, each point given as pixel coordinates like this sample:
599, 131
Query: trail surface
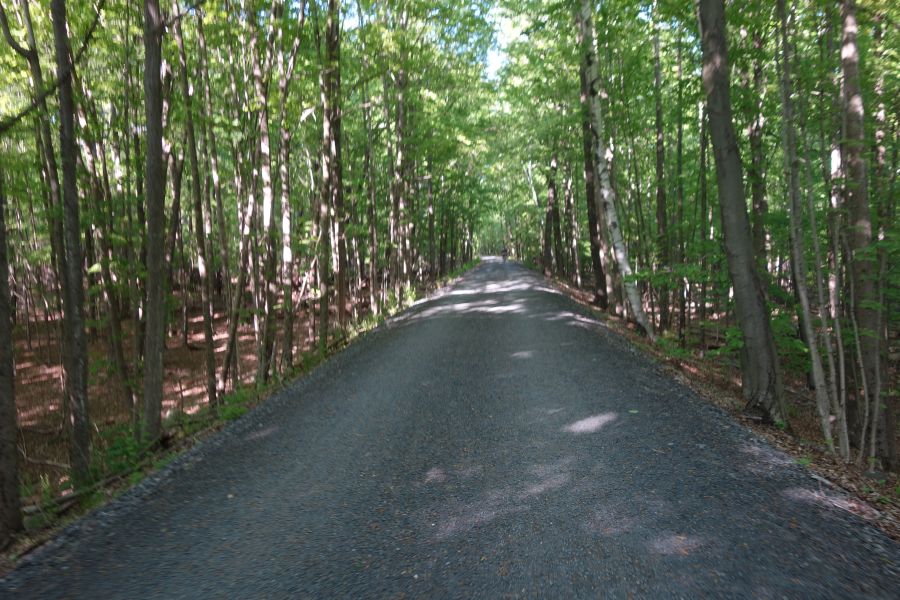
493, 442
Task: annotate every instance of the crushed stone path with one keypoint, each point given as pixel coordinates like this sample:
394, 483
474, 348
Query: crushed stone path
494, 441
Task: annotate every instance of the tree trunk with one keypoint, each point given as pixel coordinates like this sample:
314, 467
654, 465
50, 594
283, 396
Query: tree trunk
862, 260
77, 368
553, 206
213, 157
704, 238
154, 187
572, 226
791, 170
199, 221
547, 259
761, 379
607, 193
269, 284
333, 61
10, 515
662, 234
371, 192
598, 255
756, 172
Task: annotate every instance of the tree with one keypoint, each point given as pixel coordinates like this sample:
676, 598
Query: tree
201, 220
77, 368
662, 218
760, 371
154, 183
868, 411
10, 515
607, 193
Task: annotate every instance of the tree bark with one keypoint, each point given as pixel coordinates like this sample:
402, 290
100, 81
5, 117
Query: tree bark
199, 221
213, 156
590, 188
863, 259
333, 60
662, 234
10, 515
76, 373
559, 256
756, 171
154, 189
792, 174
607, 193
760, 377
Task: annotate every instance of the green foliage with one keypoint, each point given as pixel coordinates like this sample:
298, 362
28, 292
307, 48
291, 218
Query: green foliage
234, 405
118, 451
672, 348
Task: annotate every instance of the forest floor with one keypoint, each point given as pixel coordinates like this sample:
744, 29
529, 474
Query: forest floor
494, 441
46, 491
717, 379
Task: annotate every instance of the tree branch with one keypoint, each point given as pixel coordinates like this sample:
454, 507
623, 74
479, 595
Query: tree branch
11, 121
4, 23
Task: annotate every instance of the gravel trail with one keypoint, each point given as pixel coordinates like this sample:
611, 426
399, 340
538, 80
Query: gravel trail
492, 442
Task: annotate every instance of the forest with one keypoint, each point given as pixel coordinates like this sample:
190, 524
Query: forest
202, 198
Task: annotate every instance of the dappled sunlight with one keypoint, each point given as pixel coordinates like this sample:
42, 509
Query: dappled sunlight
435, 475
507, 500
829, 499
675, 545
551, 483
764, 460
606, 521
261, 433
591, 424
483, 307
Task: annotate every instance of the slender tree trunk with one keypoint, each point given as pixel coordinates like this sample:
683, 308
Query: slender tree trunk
154, 184
213, 157
285, 75
792, 174
269, 284
333, 59
761, 378
607, 193
684, 287
547, 260
76, 372
572, 225
199, 221
371, 192
590, 188
662, 234
553, 206
704, 238
10, 515
826, 318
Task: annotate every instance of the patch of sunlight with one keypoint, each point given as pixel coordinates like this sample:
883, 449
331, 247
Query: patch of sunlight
261, 433
828, 499
435, 475
675, 545
546, 485
591, 424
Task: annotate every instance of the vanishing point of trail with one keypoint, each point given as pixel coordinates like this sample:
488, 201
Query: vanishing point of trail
493, 442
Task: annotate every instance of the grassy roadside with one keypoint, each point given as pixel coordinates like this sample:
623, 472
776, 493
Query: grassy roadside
124, 463
874, 497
